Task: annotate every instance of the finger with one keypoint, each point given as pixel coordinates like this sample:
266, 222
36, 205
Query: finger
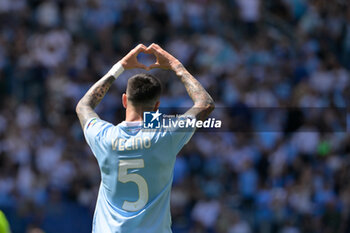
141, 66
156, 46
153, 50
155, 65
148, 50
157, 50
140, 48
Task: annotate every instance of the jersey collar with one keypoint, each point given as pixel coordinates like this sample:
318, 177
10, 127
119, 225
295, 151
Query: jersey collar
132, 123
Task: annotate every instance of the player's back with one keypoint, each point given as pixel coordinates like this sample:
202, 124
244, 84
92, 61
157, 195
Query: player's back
136, 170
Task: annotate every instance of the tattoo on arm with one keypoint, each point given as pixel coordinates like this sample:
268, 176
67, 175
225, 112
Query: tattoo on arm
203, 103
85, 107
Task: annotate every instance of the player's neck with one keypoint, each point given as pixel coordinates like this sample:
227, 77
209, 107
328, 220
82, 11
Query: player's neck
133, 115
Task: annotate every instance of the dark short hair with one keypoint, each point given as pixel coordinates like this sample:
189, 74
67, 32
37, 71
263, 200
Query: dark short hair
143, 89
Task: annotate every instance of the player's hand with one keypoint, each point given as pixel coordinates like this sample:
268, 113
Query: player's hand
164, 59
130, 60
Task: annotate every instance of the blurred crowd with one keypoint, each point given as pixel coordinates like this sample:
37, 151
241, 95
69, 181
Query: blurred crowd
246, 53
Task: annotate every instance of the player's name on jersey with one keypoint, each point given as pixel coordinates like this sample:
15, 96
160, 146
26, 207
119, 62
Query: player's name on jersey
134, 143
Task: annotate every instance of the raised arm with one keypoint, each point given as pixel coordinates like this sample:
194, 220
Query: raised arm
203, 103
87, 104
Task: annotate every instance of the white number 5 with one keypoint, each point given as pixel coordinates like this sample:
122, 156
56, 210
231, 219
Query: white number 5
124, 177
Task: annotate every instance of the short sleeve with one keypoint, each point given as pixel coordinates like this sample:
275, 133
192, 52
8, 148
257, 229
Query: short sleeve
181, 135
98, 133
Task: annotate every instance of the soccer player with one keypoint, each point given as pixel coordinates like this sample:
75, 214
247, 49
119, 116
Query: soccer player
136, 164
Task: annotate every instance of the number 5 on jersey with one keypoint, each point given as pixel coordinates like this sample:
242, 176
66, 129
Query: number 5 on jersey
141, 183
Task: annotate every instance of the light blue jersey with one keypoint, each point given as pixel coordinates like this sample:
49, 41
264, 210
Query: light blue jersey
137, 171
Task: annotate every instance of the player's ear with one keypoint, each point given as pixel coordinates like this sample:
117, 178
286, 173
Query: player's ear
156, 106
125, 100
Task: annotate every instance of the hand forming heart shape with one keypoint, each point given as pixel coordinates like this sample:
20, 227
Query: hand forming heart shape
164, 60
